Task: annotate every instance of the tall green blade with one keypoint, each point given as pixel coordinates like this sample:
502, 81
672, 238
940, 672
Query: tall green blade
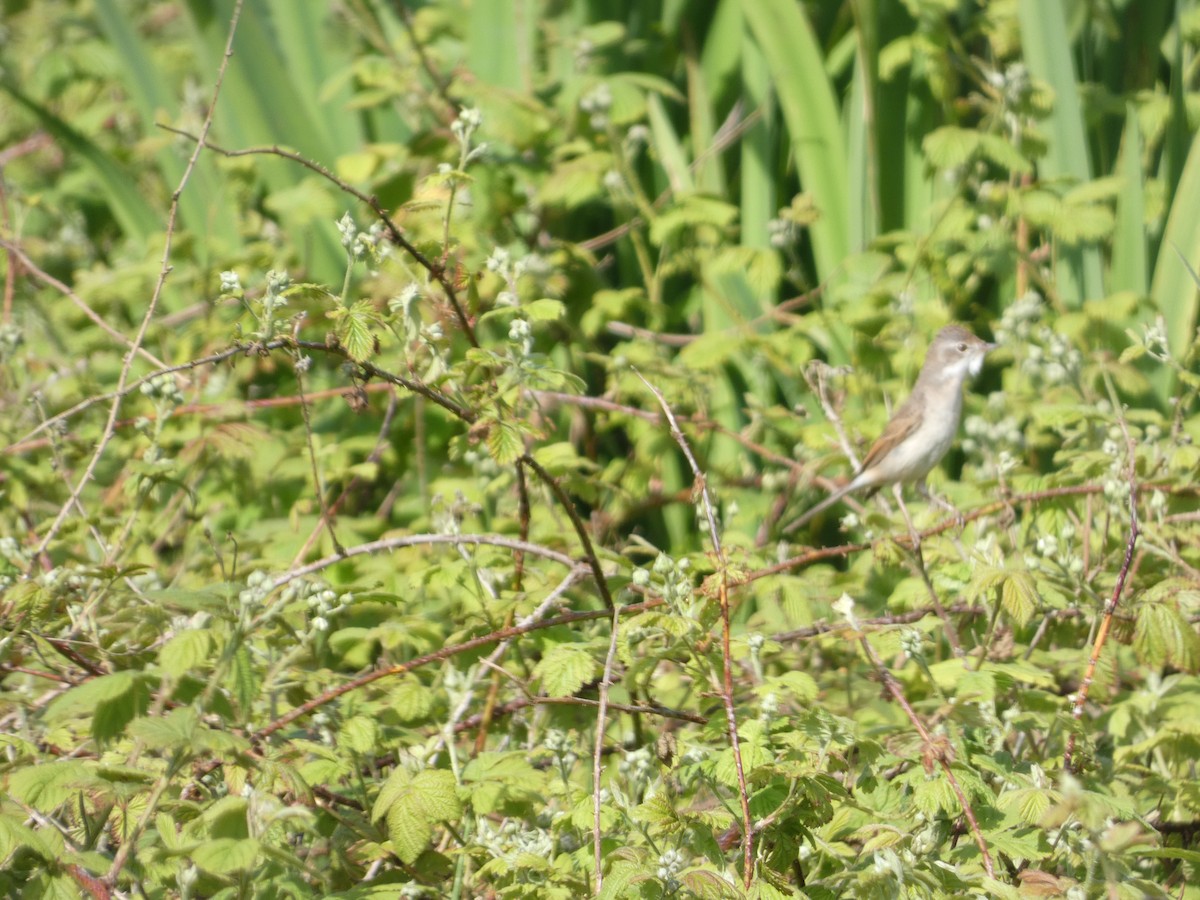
1130, 267
1047, 48
810, 112
137, 218
1172, 288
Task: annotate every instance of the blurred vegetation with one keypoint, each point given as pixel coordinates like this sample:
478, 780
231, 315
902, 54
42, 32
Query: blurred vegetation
352, 382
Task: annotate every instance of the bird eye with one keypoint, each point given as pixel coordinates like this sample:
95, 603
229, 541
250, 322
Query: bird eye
962, 348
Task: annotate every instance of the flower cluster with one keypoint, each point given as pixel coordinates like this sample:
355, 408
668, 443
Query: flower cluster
369, 245
671, 579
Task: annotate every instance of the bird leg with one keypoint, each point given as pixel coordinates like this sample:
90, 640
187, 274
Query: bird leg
923, 490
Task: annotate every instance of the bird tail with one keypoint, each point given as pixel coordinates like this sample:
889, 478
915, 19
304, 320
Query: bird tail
823, 505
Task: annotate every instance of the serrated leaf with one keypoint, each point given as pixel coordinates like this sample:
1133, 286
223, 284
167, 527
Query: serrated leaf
505, 443
47, 786
949, 147
354, 330
222, 856
691, 211
243, 679
1030, 804
565, 669
1001, 151
576, 181
1132, 352
1019, 597
174, 731
167, 831
496, 778
438, 794
544, 310
111, 701
409, 831
560, 458
359, 734
800, 685
412, 804
411, 699
14, 835
184, 651
1162, 635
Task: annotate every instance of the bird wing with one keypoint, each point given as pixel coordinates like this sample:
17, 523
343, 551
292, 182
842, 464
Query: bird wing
906, 420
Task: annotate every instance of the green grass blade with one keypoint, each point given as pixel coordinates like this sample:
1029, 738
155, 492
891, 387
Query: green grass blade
1130, 267
1172, 287
1047, 49
810, 112
709, 173
862, 222
671, 155
758, 196
313, 58
136, 218
500, 42
203, 208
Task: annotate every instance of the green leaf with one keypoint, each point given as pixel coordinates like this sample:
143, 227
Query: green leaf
224, 856
782, 31
1162, 635
691, 211
949, 147
560, 459
409, 831
174, 731
544, 310
412, 805
354, 330
16, 835
359, 734
1019, 598
498, 778
505, 442
1030, 804
185, 650
565, 669
49, 785
110, 701
243, 679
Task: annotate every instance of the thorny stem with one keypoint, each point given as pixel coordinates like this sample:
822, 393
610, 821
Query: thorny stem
701, 487
1110, 607
435, 270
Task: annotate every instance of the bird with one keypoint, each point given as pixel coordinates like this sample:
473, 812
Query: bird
923, 428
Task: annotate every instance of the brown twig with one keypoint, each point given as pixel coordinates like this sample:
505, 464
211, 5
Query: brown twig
598, 751
332, 694
131, 839
730, 131
28, 265
441, 85
939, 750
373, 371
1110, 607
701, 488
634, 709
436, 270
589, 551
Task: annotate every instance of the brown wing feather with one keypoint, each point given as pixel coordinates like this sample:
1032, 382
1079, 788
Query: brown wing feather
906, 420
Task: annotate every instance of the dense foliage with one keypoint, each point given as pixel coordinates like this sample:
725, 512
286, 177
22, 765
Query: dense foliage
403, 411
